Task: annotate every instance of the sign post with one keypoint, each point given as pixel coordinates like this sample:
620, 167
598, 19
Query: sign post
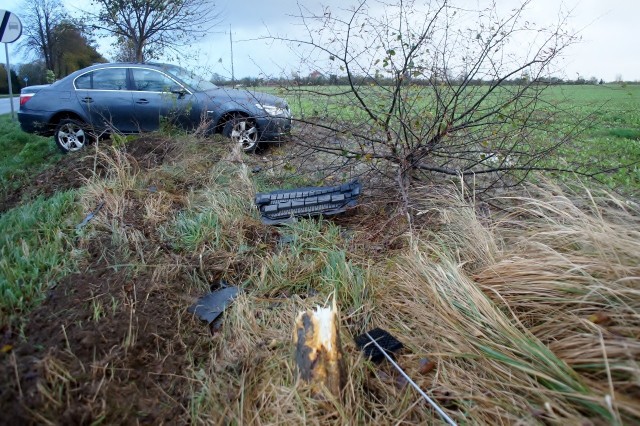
10, 31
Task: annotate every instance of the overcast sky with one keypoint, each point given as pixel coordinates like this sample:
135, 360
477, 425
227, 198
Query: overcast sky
610, 31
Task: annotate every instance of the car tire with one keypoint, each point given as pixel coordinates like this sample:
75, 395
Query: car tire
242, 130
71, 135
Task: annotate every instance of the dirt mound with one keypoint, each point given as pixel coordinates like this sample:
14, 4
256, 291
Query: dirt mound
69, 173
73, 170
106, 342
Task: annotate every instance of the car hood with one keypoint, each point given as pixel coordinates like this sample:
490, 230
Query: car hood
247, 97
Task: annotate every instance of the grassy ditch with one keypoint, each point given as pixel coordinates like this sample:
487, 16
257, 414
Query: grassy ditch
526, 305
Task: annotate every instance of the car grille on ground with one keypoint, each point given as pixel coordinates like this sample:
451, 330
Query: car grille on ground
283, 205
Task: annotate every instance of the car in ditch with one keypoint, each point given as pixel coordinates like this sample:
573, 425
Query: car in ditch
132, 98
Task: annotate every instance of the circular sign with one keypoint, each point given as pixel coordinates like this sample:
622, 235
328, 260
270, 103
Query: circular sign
10, 27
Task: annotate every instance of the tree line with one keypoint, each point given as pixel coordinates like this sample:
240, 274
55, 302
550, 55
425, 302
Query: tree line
58, 44
343, 80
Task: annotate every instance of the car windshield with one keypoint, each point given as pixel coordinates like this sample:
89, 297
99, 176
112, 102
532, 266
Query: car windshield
196, 82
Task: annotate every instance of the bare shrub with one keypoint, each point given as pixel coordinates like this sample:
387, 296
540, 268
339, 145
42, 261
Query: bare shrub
427, 90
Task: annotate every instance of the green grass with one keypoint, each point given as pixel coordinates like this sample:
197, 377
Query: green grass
192, 229
610, 138
35, 250
632, 134
23, 155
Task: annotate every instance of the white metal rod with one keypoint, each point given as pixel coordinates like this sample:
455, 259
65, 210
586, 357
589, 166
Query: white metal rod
6, 52
444, 415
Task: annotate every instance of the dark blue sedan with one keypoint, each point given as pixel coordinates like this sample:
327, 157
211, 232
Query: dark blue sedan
132, 98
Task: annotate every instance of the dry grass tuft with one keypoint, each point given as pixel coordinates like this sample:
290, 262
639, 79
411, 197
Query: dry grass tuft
571, 276
530, 316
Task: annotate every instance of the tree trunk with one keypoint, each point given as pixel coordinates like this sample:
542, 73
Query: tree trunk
318, 350
139, 52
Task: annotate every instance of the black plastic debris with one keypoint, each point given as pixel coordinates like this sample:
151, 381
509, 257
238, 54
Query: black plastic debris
90, 216
282, 206
386, 341
210, 306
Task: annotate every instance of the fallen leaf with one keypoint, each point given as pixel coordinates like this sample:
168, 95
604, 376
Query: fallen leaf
600, 318
426, 366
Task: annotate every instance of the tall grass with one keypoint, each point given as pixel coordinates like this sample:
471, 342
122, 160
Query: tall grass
530, 315
529, 312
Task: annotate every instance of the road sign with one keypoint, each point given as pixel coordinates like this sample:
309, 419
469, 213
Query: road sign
10, 31
10, 27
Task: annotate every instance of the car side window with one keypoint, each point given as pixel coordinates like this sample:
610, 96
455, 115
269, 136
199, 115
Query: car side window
146, 80
104, 79
110, 79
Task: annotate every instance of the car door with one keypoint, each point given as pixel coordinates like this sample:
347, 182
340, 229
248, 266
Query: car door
105, 97
157, 97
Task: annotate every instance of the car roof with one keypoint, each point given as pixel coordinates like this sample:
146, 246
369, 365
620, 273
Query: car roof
127, 64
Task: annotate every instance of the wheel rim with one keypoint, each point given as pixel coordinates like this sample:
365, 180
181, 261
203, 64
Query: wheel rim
71, 137
245, 133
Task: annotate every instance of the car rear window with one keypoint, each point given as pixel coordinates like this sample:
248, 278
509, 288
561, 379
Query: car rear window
104, 79
84, 81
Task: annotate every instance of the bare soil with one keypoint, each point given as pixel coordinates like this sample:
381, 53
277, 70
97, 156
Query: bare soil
96, 365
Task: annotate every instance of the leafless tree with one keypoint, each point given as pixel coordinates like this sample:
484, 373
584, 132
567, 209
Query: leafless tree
40, 18
434, 89
150, 27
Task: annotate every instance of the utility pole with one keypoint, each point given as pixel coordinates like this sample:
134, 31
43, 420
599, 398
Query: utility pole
233, 77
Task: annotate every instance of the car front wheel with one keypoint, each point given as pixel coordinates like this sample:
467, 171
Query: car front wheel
70, 135
242, 130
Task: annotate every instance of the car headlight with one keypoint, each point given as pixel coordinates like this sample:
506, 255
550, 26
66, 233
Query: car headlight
274, 110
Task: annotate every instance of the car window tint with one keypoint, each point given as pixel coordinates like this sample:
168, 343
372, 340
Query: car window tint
84, 81
151, 80
109, 79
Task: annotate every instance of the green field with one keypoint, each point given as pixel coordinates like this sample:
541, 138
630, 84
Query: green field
603, 122
610, 137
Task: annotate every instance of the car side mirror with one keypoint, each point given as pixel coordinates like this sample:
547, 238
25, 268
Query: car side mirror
178, 90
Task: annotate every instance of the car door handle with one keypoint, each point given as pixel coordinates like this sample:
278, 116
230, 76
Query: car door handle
87, 100
142, 101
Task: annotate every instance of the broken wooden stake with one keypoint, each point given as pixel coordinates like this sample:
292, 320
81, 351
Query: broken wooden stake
318, 351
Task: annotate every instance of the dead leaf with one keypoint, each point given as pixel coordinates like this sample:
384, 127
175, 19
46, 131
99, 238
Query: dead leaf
600, 318
426, 366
